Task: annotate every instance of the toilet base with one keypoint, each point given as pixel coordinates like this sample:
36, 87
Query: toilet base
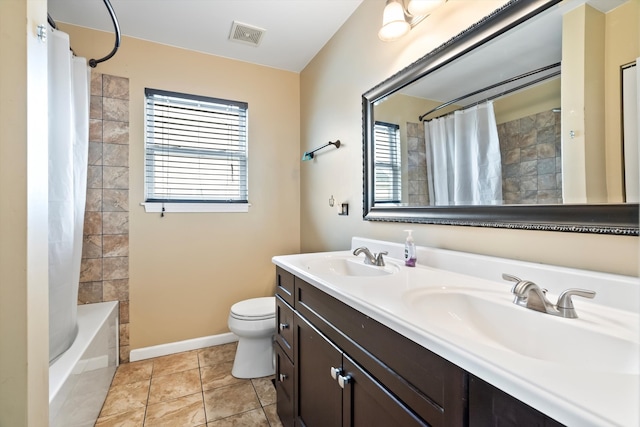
254, 358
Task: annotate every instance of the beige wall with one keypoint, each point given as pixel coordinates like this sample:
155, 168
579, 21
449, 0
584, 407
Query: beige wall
331, 89
24, 305
542, 97
187, 269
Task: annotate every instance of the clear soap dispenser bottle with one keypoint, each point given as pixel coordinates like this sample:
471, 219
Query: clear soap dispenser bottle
409, 251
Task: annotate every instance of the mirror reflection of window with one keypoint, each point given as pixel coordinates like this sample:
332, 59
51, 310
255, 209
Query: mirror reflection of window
388, 186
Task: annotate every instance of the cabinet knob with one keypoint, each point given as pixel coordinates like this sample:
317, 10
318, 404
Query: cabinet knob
335, 372
283, 377
342, 380
284, 326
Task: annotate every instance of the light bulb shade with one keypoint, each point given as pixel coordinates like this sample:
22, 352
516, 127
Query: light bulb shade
394, 24
423, 7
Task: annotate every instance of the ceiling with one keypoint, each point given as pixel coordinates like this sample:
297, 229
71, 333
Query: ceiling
296, 30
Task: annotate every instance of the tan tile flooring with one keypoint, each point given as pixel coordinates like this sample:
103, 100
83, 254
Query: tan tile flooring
191, 389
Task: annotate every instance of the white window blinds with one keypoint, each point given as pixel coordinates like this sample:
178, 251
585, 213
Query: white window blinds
195, 149
387, 163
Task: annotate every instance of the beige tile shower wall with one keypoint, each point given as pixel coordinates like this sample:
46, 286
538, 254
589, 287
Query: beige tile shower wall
418, 192
104, 273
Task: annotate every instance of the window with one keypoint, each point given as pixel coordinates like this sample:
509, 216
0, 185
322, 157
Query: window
387, 163
195, 152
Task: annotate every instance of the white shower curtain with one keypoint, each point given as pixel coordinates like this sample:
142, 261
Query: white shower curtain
463, 158
68, 156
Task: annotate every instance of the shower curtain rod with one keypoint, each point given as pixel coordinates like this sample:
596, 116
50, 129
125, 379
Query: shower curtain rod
94, 62
493, 86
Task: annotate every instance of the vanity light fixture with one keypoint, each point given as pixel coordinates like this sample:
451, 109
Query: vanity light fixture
400, 16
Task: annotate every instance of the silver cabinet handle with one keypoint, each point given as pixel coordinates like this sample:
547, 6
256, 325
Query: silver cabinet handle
283, 377
284, 326
335, 372
342, 380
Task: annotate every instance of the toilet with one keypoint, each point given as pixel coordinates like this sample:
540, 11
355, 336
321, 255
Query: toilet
254, 322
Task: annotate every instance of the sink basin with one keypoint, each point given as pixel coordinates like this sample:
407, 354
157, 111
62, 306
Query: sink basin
491, 318
348, 266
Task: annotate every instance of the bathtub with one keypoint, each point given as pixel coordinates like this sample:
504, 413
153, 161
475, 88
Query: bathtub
80, 378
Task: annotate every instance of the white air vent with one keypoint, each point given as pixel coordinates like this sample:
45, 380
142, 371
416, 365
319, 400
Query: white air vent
247, 34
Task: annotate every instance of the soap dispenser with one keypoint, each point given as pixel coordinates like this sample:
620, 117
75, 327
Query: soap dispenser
409, 251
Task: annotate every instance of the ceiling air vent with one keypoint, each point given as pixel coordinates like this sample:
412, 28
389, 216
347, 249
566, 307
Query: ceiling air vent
247, 34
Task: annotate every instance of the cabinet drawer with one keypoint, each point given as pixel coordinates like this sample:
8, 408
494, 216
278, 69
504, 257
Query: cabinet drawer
284, 326
284, 386
285, 285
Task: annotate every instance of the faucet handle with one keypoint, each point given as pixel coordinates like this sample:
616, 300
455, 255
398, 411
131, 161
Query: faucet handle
564, 300
379, 259
511, 278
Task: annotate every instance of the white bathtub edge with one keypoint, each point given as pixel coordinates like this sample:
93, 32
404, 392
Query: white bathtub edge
180, 346
93, 318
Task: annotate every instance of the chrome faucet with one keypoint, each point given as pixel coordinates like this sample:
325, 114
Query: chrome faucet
531, 296
370, 258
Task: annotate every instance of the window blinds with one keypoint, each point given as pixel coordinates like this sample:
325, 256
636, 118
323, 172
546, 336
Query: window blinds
387, 163
195, 149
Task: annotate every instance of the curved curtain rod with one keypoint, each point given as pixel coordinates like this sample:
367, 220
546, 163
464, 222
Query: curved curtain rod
501, 94
114, 19
512, 79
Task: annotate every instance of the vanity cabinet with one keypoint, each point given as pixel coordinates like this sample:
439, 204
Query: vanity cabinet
335, 366
349, 370
283, 344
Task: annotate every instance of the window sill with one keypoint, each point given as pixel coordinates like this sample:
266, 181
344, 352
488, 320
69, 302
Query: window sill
157, 207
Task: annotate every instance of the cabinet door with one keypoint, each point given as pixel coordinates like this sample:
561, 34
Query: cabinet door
366, 403
489, 406
319, 398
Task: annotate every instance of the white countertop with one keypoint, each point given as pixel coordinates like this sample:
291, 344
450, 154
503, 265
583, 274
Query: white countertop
574, 394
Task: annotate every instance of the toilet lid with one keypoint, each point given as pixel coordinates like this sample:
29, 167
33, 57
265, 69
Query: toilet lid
255, 308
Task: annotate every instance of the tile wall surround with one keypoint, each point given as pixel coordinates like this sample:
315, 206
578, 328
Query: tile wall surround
530, 148
104, 272
418, 192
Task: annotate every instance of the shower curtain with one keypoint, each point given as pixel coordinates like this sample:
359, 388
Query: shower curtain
463, 158
68, 156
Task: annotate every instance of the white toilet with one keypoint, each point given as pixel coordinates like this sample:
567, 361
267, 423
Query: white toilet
254, 322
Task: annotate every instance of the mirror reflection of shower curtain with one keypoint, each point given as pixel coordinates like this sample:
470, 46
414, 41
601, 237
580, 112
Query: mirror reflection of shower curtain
630, 133
68, 156
463, 158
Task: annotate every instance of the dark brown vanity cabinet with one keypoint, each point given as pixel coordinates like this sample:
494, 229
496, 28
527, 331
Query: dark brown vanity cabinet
285, 369
337, 367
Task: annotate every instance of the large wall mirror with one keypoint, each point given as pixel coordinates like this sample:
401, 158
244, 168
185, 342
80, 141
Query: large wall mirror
528, 119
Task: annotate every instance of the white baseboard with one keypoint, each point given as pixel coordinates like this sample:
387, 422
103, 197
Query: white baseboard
180, 346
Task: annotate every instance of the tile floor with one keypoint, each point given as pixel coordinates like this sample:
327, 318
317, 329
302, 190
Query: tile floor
191, 389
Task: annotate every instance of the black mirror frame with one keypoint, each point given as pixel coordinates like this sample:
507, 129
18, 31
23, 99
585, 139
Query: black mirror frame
617, 219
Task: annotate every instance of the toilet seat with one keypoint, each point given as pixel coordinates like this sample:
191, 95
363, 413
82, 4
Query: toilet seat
254, 309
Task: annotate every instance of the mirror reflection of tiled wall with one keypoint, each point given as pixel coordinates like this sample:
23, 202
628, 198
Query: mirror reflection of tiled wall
531, 159
104, 273
417, 191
